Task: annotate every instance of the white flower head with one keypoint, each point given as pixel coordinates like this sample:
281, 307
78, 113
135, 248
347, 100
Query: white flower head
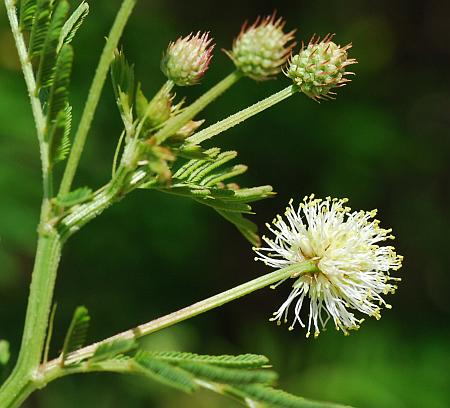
352, 268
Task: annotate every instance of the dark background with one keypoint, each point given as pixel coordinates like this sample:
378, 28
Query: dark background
383, 143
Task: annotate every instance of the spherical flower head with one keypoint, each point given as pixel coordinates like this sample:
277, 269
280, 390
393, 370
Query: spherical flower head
261, 50
352, 268
187, 59
319, 67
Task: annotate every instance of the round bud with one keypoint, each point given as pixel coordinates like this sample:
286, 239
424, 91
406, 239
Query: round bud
187, 59
261, 49
320, 67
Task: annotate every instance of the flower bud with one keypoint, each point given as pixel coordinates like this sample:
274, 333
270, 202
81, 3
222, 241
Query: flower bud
262, 49
187, 59
319, 67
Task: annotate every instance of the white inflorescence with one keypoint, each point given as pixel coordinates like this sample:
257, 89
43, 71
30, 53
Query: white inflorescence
352, 269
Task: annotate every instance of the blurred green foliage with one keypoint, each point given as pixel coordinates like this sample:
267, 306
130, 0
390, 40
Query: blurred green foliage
383, 143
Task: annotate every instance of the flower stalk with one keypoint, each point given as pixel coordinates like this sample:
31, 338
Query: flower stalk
242, 115
194, 310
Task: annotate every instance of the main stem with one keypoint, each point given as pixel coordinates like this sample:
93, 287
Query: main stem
94, 94
21, 381
26, 377
194, 310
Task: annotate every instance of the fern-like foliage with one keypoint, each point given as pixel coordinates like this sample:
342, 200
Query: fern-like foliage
39, 29
76, 334
72, 24
48, 56
205, 180
27, 13
230, 361
51, 30
165, 372
245, 378
59, 116
112, 350
122, 76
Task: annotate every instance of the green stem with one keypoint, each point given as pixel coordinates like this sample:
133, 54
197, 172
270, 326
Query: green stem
176, 123
194, 310
103, 199
22, 380
242, 115
36, 107
94, 94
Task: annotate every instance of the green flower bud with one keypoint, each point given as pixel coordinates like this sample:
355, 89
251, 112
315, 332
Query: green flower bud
320, 67
187, 59
261, 50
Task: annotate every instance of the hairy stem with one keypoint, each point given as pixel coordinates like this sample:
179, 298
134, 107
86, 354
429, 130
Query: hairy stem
36, 107
176, 123
193, 310
22, 380
242, 115
94, 94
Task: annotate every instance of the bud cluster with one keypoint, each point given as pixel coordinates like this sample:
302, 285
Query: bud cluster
319, 67
187, 59
261, 49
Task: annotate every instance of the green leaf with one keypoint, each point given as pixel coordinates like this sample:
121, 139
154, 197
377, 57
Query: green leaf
74, 197
184, 171
27, 12
72, 24
278, 398
63, 147
203, 180
39, 29
225, 174
110, 350
58, 96
165, 373
240, 361
59, 116
246, 227
4, 352
122, 76
76, 335
141, 103
48, 54
249, 195
228, 206
191, 152
206, 167
229, 375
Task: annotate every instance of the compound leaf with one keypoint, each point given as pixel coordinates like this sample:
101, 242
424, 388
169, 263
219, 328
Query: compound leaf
76, 335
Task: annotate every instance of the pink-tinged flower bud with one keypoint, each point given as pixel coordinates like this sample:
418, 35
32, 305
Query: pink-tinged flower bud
261, 49
187, 59
320, 67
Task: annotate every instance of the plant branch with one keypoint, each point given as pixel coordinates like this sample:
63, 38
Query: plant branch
193, 310
94, 94
242, 115
36, 107
176, 123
